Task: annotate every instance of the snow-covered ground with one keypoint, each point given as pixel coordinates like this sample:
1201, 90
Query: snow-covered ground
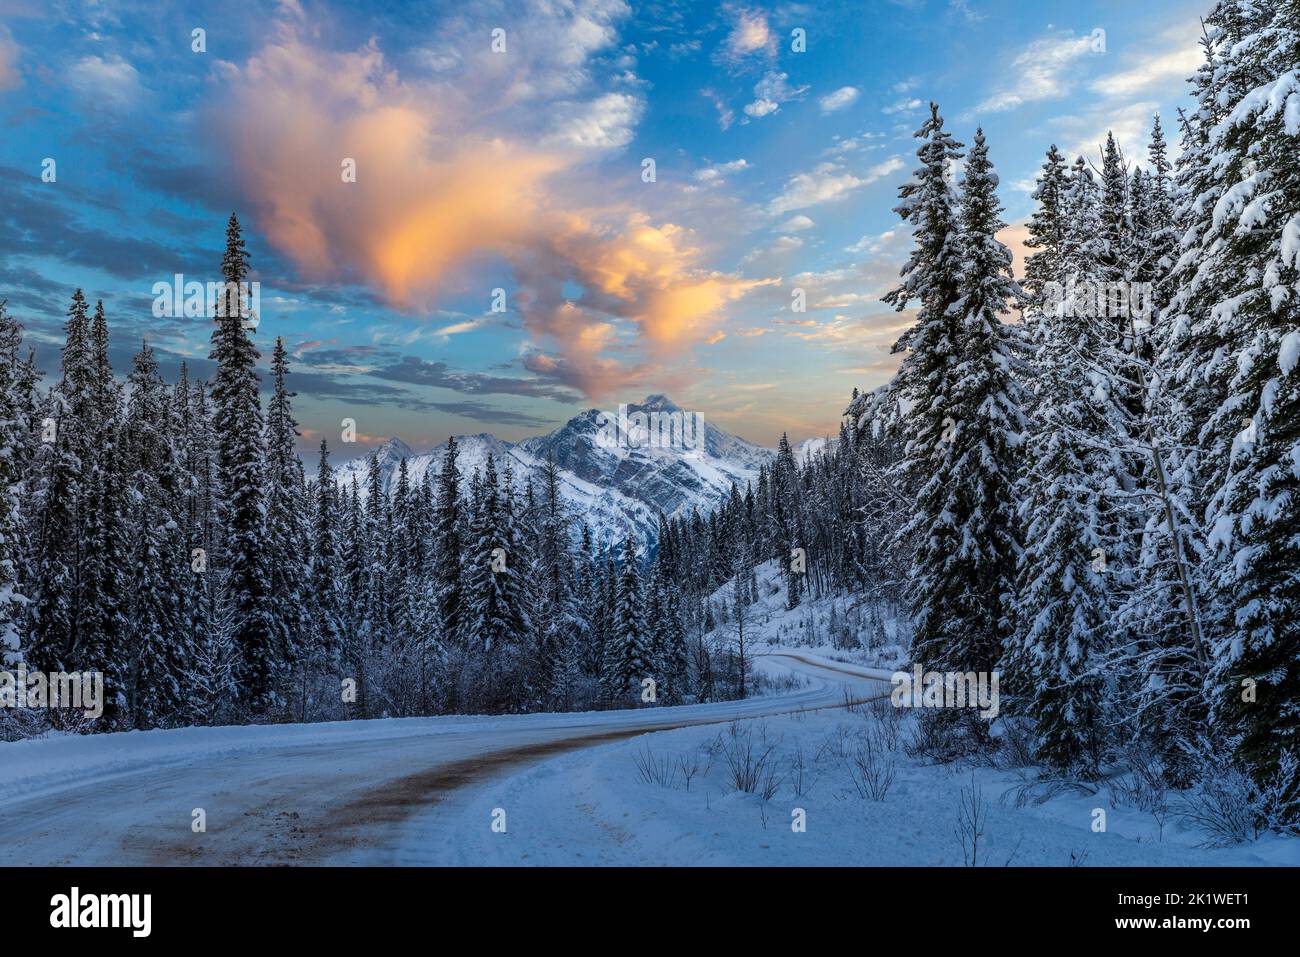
339, 792
650, 786
599, 806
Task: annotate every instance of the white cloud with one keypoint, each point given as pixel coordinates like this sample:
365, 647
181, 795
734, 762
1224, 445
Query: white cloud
905, 105
838, 100
796, 224
718, 171
726, 116
869, 245
604, 123
962, 8
749, 35
1044, 70
1086, 134
1164, 69
826, 183
771, 91
852, 144
111, 81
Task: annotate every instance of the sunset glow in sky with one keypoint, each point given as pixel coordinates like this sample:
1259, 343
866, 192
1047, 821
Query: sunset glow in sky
523, 169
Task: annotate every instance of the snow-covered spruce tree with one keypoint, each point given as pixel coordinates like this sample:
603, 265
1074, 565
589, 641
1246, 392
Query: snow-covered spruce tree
241, 459
322, 654
1162, 244
104, 521
785, 520
408, 661
1047, 236
202, 525
157, 648
448, 589
960, 411
1239, 290
357, 607
593, 609
212, 667
561, 628
287, 539
1155, 658
1113, 240
13, 425
627, 650
519, 513
495, 618
1186, 392
738, 651
668, 643
1069, 491
53, 626
192, 601
919, 394
378, 537
1187, 389
986, 401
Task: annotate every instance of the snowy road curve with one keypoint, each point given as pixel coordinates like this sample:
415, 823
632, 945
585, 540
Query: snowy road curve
341, 793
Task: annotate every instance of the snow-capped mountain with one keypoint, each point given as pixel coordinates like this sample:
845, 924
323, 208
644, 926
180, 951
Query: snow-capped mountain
613, 486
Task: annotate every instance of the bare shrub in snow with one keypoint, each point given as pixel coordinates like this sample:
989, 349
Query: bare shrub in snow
1037, 788
872, 767
887, 722
801, 776
937, 737
971, 818
1141, 782
688, 765
653, 768
1016, 744
834, 746
1232, 808
750, 763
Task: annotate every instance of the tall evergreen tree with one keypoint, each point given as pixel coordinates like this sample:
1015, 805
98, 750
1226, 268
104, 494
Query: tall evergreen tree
962, 416
286, 520
1237, 298
241, 459
448, 586
13, 425
158, 651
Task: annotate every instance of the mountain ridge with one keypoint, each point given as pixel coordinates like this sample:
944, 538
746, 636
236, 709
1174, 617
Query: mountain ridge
612, 483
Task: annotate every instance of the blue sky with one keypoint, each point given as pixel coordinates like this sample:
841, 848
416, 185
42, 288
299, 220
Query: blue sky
519, 165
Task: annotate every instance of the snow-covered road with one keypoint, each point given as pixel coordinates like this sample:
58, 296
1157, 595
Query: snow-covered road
337, 793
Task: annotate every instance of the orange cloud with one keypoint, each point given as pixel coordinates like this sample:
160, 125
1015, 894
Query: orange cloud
437, 187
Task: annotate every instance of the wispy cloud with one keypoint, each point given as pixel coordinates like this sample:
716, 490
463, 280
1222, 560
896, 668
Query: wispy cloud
826, 183
841, 98
719, 171
770, 92
10, 78
1046, 69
